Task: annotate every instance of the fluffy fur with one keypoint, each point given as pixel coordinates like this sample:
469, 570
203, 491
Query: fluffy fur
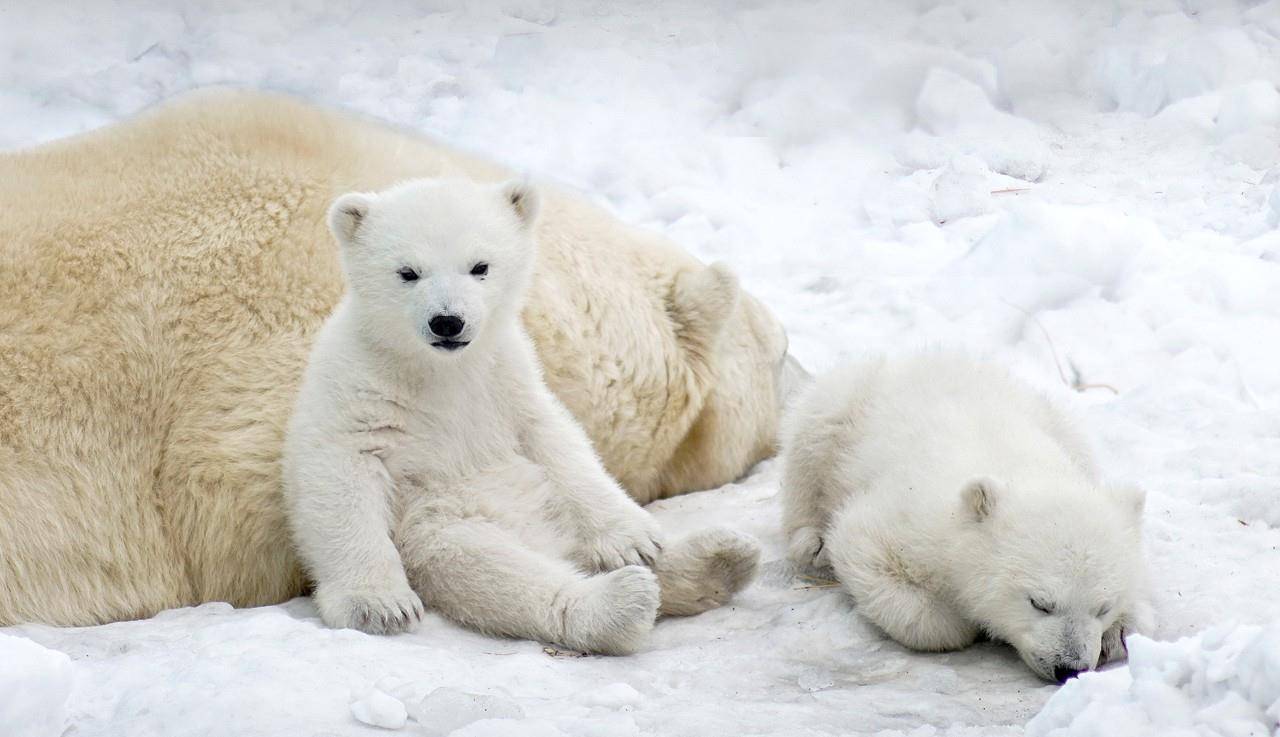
426, 459
951, 499
161, 282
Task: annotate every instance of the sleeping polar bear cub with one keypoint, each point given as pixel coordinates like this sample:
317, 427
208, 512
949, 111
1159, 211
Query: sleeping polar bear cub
950, 499
427, 461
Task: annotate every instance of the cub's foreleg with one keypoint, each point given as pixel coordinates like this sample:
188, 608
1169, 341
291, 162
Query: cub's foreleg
612, 530
340, 522
874, 572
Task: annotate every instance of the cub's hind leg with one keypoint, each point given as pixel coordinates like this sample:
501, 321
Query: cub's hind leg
478, 574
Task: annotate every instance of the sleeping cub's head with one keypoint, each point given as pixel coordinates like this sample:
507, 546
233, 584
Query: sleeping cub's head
438, 264
1060, 566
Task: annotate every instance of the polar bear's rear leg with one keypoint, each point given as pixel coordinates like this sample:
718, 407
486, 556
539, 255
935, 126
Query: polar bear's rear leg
703, 570
478, 574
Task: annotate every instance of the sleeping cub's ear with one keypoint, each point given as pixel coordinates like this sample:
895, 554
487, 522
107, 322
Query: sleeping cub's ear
980, 497
347, 214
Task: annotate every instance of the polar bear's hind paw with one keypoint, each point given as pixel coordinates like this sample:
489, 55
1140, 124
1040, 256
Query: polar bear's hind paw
704, 570
611, 613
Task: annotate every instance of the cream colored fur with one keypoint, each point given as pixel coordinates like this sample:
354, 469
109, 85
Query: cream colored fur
160, 285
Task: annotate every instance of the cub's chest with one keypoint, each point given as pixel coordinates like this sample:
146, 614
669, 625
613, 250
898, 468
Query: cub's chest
442, 434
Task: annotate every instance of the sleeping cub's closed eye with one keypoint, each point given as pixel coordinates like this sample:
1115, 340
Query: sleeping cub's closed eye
1040, 605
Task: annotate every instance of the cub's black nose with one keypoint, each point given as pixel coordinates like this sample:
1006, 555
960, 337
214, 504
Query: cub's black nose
1062, 673
446, 326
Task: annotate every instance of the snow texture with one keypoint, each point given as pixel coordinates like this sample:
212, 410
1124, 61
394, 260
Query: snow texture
34, 685
1088, 192
1226, 681
380, 709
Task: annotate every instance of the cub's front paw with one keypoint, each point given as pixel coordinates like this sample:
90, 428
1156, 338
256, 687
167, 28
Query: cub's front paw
1139, 620
377, 610
630, 540
1113, 647
807, 548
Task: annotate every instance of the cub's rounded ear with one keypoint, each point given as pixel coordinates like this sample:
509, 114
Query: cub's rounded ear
347, 213
524, 199
980, 497
1132, 499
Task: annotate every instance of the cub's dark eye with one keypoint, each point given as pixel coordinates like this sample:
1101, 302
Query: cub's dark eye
408, 274
1103, 611
480, 269
1043, 607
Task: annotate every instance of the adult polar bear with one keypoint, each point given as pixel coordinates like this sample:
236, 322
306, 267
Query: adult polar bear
160, 282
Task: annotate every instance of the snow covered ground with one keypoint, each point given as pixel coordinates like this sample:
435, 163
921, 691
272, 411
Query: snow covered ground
1088, 191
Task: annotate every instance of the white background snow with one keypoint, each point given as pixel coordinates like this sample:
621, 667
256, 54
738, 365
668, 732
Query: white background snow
1088, 191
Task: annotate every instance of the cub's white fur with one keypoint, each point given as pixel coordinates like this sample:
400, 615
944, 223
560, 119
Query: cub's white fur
951, 499
427, 461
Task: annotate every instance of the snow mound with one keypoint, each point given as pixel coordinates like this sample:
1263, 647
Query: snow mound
1247, 106
445, 710
1225, 681
380, 709
35, 683
950, 105
613, 696
1049, 256
1179, 62
961, 190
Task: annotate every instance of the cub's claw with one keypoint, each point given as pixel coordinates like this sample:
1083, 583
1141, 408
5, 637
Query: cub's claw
631, 543
377, 611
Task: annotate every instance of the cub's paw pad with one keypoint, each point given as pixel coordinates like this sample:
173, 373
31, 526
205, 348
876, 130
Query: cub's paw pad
613, 612
731, 557
704, 570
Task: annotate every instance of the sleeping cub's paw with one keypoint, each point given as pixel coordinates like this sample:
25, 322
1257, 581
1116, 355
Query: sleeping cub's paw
1139, 620
807, 548
376, 610
1113, 647
630, 539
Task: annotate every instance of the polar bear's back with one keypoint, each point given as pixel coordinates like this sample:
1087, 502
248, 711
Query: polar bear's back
146, 414
162, 280
922, 425
160, 284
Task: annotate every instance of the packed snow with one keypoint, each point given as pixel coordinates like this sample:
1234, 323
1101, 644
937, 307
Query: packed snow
35, 683
1088, 192
1226, 681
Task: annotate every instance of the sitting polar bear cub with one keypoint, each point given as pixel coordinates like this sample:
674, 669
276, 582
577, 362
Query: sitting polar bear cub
427, 461
950, 499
